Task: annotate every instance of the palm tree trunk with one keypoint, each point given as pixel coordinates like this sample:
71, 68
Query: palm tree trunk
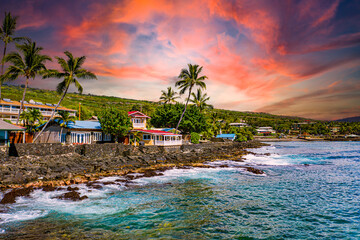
2, 66
52, 114
182, 115
23, 99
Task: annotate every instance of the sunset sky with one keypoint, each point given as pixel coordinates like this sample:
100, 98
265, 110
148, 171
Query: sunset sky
283, 57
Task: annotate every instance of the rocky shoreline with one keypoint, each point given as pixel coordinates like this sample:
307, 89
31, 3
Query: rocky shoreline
54, 166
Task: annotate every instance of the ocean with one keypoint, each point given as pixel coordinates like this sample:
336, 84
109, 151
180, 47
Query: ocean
310, 190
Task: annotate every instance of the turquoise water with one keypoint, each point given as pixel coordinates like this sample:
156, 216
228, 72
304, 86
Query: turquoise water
311, 190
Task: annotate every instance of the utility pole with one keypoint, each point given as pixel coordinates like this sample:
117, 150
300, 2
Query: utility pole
79, 111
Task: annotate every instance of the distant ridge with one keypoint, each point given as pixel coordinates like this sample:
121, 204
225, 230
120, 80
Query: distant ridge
350, 119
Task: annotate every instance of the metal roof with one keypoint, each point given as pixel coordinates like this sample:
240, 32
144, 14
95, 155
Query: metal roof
228, 135
85, 125
4, 126
156, 132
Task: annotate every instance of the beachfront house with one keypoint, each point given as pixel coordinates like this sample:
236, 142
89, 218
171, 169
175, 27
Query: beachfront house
9, 109
6, 129
227, 136
163, 137
265, 131
78, 132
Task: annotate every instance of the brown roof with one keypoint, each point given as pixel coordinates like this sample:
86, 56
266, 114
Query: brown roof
16, 103
4, 126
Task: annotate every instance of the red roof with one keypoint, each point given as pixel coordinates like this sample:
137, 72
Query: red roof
137, 114
158, 132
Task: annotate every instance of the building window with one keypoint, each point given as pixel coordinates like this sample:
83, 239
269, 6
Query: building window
137, 120
107, 137
97, 136
146, 137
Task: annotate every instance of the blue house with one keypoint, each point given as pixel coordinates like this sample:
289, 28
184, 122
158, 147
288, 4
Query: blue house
77, 132
5, 129
228, 136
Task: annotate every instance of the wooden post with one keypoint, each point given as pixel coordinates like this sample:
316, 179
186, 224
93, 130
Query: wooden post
24, 136
79, 111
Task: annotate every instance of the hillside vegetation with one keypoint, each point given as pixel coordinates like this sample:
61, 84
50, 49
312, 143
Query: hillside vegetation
92, 104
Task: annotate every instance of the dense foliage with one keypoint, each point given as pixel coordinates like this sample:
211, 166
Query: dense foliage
168, 115
195, 137
115, 122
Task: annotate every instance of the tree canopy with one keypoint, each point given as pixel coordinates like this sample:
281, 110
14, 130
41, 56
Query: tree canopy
115, 122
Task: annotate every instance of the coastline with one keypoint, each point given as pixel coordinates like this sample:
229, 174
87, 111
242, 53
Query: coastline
48, 171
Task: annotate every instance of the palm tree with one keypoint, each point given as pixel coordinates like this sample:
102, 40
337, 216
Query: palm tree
190, 78
168, 96
71, 69
6, 32
64, 119
199, 99
30, 118
30, 64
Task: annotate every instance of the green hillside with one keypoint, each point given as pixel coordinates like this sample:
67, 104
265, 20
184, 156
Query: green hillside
90, 104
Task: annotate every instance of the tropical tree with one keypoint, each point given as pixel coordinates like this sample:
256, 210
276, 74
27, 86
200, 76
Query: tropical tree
136, 138
200, 99
64, 119
31, 118
189, 78
115, 122
27, 64
168, 96
6, 35
71, 70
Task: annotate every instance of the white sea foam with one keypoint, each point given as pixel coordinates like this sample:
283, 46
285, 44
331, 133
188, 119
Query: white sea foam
21, 215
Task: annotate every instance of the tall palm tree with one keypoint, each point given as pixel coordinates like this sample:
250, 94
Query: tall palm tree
168, 96
28, 65
64, 119
71, 70
190, 78
6, 35
199, 99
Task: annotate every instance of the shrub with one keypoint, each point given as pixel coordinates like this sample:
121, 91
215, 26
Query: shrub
195, 137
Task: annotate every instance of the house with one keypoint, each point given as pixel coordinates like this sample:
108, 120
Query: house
9, 109
5, 129
156, 137
138, 119
228, 136
163, 137
265, 130
240, 124
78, 132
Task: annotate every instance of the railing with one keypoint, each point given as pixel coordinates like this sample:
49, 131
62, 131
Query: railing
9, 110
139, 125
168, 143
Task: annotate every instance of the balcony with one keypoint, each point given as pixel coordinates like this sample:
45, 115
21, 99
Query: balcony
139, 125
168, 143
9, 110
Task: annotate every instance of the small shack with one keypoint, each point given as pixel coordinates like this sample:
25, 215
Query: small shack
5, 129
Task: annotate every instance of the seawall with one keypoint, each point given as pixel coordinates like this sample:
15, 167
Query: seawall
37, 164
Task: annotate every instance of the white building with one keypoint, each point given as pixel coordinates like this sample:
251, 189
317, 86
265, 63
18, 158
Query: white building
9, 109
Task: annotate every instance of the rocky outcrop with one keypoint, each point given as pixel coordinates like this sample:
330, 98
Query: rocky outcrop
51, 165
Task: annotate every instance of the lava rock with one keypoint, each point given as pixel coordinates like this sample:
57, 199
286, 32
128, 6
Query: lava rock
10, 197
254, 170
74, 196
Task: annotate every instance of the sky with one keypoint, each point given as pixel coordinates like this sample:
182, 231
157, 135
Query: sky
287, 57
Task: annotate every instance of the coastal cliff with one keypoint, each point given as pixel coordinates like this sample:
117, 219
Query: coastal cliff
37, 165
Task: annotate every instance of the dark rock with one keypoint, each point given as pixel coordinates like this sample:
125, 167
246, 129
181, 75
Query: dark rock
48, 188
74, 196
93, 185
254, 170
10, 197
72, 189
